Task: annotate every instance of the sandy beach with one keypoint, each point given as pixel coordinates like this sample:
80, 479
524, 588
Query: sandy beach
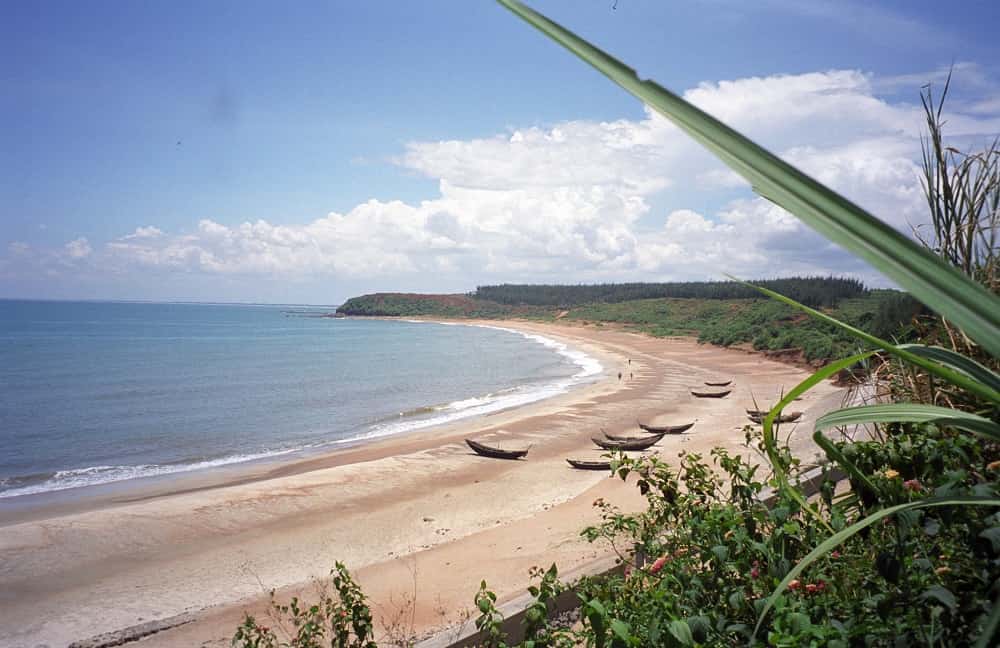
414, 517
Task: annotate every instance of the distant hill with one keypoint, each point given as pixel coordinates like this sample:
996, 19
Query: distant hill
723, 313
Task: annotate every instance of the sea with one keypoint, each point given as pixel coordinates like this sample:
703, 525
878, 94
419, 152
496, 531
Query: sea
103, 392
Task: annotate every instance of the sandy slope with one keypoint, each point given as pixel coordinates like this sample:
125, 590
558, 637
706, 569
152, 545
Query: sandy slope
418, 512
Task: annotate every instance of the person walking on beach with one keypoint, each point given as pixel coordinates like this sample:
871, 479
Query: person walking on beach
619, 376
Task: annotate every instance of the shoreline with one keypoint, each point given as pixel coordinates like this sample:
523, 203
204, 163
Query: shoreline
419, 501
236, 468
42, 504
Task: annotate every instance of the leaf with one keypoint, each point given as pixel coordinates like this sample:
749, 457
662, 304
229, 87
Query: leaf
923, 274
956, 361
799, 622
910, 413
940, 594
823, 548
992, 535
990, 627
681, 631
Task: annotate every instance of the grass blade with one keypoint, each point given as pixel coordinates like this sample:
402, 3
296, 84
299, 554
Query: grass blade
910, 413
927, 277
956, 361
770, 445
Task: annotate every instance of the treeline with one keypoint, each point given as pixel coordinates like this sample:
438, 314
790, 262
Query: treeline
812, 291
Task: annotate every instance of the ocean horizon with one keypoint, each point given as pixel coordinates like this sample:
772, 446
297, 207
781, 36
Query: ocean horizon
98, 392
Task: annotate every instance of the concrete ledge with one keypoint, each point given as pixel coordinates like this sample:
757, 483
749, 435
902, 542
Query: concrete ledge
133, 633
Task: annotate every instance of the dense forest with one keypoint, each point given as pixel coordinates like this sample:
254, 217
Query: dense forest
811, 291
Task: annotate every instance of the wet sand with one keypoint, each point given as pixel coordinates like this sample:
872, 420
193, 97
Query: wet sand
412, 515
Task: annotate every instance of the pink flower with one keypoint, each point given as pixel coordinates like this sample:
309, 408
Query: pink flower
658, 565
795, 585
755, 570
811, 588
913, 485
835, 554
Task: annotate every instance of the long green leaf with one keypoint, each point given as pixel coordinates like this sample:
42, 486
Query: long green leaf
836, 539
957, 378
956, 361
927, 277
910, 413
770, 445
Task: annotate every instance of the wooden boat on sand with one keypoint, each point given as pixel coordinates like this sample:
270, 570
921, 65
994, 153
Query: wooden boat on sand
496, 453
719, 384
661, 429
716, 394
791, 417
633, 444
580, 464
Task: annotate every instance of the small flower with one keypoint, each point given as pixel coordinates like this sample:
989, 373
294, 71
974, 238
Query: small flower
993, 465
821, 585
795, 585
628, 571
835, 554
913, 485
658, 565
811, 588
891, 474
941, 571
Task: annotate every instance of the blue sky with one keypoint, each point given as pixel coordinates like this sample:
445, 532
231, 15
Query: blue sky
189, 120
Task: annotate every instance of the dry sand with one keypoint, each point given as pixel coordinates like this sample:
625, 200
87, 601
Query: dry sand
417, 514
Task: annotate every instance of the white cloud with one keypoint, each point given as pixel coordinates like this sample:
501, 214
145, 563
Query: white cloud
144, 233
78, 248
594, 201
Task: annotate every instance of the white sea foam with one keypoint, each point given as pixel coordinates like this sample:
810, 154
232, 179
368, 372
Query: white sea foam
95, 475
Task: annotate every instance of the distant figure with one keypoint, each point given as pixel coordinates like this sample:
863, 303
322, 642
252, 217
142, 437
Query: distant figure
631, 375
630, 361
619, 376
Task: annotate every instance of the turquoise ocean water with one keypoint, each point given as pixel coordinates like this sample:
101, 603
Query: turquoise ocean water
99, 392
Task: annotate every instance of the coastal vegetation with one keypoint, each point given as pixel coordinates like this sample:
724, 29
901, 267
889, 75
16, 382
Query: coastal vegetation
905, 549
811, 291
724, 313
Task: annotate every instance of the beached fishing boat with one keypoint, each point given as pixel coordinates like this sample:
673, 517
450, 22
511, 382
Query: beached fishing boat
579, 464
701, 394
634, 444
791, 417
496, 453
661, 429
719, 384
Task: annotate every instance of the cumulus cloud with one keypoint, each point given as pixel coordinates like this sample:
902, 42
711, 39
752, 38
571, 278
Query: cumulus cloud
587, 201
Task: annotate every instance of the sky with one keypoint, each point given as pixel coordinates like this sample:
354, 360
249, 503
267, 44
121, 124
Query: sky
307, 152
